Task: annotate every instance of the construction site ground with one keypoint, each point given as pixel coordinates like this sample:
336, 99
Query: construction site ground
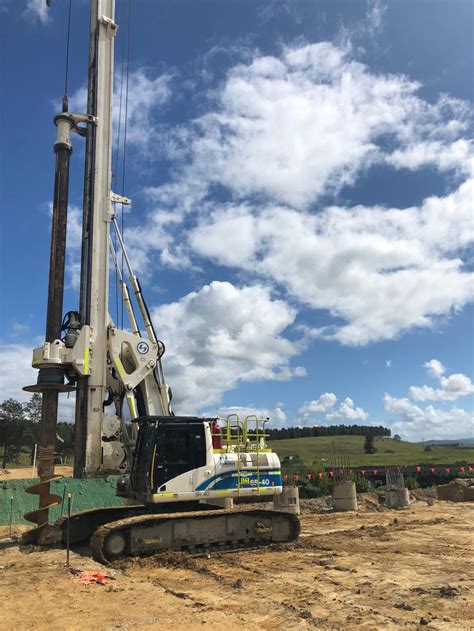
371, 569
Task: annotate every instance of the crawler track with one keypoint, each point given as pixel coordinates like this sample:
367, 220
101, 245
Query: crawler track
82, 525
212, 529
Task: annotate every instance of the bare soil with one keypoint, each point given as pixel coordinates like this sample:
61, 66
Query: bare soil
23, 473
374, 569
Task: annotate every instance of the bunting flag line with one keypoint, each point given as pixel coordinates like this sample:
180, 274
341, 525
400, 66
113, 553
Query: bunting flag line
439, 469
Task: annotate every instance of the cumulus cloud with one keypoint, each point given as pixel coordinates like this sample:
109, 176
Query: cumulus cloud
73, 246
325, 405
16, 371
276, 414
381, 270
37, 11
435, 368
445, 156
146, 94
281, 133
452, 387
413, 422
221, 335
348, 412
318, 406
73, 243
295, 127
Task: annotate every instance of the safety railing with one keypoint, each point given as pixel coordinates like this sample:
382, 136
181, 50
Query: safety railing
246, 439
237, 436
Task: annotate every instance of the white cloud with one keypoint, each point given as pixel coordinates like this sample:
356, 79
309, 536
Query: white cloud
444, 156
375, 13
157, 236
452, 387
16, 371
413, 422
318, 406
435, 368
383, 271
145, 95
73, 246
221, 335
282, 132
326, 402
276, 414
298, 126
347, 412
388, 363
73, 243
37, 11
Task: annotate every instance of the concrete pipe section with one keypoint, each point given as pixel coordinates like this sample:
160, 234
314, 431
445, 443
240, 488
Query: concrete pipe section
288, 501
397, 498
344, 497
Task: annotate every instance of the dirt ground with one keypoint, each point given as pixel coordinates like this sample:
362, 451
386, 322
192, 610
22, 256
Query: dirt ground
23, 473
374, 569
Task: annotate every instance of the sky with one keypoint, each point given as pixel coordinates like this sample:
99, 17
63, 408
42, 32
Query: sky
301, 178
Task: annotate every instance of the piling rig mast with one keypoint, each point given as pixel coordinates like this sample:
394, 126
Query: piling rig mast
180, 467
86, 352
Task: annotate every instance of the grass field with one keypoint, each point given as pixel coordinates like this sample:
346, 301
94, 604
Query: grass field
314, 450
24, 460
389, 451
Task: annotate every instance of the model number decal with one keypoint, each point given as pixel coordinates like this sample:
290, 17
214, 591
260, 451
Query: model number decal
255, 481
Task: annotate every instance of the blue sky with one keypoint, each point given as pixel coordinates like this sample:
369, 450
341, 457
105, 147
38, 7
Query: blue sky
301, 177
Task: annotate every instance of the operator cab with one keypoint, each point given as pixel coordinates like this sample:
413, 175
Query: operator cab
167, 446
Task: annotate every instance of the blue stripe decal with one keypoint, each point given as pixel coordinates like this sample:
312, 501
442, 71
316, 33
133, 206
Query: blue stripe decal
274, 475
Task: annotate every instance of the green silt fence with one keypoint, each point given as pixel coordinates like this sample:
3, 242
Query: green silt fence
85, 494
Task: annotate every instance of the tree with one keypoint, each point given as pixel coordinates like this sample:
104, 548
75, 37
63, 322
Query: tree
12, 430
369, 447
32, 411
65, 442
397, 437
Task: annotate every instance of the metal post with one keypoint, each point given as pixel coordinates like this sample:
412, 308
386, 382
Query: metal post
69, 499
11, 515
33, 472
64, 496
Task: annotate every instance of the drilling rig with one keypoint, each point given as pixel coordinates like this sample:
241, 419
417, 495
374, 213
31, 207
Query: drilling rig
176, 468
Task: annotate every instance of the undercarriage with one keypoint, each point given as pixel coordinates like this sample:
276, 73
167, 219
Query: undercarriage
115, 533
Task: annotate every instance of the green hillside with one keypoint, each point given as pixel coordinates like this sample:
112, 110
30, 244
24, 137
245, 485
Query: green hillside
389, 451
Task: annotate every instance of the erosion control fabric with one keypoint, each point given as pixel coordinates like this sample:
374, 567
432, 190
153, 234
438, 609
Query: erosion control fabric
85, 494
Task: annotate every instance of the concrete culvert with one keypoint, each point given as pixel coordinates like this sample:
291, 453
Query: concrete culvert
344, 497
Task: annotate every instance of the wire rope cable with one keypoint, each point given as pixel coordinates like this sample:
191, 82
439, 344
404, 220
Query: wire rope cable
65, 105
124, 163
116, 168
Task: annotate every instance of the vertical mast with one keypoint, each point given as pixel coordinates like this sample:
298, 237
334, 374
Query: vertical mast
97, 214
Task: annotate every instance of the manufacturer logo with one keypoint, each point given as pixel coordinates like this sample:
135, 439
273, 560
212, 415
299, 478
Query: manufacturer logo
143, 348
